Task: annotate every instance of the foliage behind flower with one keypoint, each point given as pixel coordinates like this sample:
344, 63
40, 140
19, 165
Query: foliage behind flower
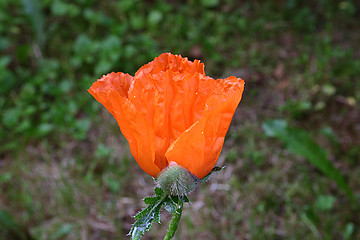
170, 111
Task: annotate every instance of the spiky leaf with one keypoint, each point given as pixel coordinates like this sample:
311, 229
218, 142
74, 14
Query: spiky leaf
159, 192
151, 200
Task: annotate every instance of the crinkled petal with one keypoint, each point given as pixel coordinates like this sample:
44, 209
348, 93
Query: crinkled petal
171, 102
171, 111
111, 91
199, 147
168, 61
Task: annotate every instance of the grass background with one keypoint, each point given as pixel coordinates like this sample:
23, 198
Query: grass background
66, 171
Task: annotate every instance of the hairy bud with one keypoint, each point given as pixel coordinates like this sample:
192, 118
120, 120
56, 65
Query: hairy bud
176, 180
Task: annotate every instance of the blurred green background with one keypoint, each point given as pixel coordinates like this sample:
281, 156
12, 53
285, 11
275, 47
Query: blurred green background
291, 154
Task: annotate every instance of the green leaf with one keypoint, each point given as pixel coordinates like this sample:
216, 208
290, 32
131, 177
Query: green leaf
158, 191
11, 117
151, 200
44, 129
307, 216
144, 212
157, 213
7, 221
102, 151
209, 3
33, 9
155, 17
275, 127
63, 230
349, 230
9, 224
5, 177
329, 133
325, 202
112, 183
139, 228
146, 217
81, 128
300, 143
144, 222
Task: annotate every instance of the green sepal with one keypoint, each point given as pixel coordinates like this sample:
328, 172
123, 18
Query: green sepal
170, 207
184, 198
171, 203
215, 169
176, 180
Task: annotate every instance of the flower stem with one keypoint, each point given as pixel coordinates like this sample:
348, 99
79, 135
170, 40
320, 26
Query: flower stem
174, 221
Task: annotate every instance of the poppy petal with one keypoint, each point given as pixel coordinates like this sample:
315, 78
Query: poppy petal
168, 61
171, 102
111, 91
170, 111
199, 147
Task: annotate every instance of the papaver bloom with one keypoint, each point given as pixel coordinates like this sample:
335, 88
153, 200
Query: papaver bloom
170, 111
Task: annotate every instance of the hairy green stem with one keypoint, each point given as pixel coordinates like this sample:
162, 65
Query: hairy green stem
174, 221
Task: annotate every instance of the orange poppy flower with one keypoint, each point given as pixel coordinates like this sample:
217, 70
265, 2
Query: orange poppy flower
171, 112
